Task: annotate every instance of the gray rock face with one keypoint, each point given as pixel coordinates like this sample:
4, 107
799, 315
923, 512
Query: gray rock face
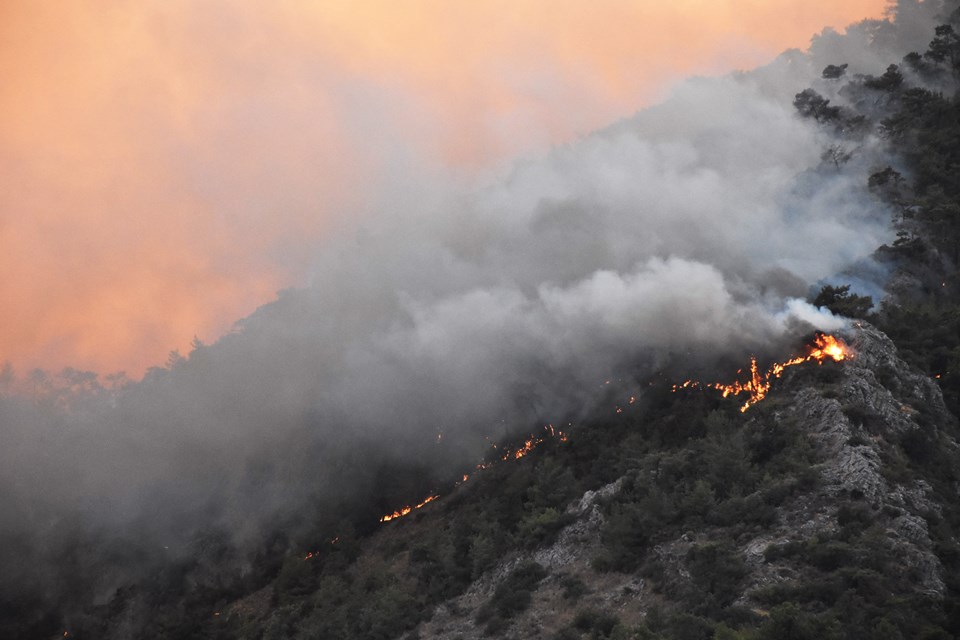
877, 399
570, 554
884, 376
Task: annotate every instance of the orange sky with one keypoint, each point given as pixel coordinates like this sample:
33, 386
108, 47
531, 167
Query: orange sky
166, 165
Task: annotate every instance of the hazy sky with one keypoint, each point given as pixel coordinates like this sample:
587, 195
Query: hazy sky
167, 165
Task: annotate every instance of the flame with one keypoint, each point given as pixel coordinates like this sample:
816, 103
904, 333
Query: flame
313, 554
828, 347
824, 347
408, 509
529, 445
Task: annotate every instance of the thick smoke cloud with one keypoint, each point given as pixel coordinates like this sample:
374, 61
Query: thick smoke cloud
167, 165
687, 233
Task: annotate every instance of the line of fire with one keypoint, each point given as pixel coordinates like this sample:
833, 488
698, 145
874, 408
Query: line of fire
529, 445
549, 432
825, 347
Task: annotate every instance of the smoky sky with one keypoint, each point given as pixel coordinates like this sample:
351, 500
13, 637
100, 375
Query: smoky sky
166, 165
691, 230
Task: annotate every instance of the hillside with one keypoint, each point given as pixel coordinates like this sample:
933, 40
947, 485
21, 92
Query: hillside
490, 436
827, 510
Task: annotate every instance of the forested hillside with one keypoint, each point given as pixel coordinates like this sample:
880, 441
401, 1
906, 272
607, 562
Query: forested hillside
914, 108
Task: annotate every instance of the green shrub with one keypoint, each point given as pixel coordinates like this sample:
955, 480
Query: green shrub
598, 623
541, 528
511, 597
573, 587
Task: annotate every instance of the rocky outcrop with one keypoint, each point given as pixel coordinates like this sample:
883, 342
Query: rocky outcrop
855, 422
567, 558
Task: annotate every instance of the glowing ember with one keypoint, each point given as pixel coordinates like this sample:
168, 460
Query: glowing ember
529, 445
314, 554
407, 510
824, 348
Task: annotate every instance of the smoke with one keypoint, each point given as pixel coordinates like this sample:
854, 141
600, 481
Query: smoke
167, 166
690, 231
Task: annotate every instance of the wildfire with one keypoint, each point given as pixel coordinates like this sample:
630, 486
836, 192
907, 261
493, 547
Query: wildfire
532, 443
529, 445
828, 347
408, 509
824, 347
313, 554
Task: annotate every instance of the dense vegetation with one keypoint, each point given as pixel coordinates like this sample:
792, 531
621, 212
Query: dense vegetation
689, 463
914, 107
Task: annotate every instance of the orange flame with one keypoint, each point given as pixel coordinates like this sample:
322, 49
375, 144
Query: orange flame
529, 445
408, 509
825, 347
314, 554
828, 347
